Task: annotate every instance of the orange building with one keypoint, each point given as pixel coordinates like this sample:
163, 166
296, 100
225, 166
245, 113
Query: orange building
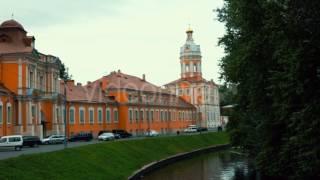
30, 102
121, 101
32, 98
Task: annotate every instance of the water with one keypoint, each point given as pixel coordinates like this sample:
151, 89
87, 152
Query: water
224, 165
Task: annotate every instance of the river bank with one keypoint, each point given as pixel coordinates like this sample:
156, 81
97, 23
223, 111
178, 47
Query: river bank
110, 160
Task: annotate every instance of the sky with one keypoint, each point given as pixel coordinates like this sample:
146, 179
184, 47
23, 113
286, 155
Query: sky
94, 37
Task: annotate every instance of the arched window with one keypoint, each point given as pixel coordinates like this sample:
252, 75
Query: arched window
115, 116
187, 68
81, 115
108, 116
130, 115
9, 113
91, 115
100, 115
71, 115
1, 112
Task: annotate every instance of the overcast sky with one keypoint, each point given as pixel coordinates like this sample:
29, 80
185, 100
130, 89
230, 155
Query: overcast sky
95, 37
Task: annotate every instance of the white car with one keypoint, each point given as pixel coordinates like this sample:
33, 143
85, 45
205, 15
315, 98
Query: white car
53, 139
15, 141
152, 133
106, 136
190, 130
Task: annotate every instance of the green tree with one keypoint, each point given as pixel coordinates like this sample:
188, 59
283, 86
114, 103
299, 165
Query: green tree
272, 54
64, 74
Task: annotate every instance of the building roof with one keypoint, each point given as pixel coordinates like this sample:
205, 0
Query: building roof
88, 94
16, 42
119, 80
11, 24
190, 48
190, 80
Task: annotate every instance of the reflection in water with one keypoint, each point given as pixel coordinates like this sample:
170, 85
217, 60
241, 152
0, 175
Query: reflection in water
223, 165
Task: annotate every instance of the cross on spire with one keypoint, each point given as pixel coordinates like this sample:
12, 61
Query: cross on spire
12, 16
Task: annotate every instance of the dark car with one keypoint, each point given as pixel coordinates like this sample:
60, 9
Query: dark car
31, 141
81, 137
199, 129
121, 133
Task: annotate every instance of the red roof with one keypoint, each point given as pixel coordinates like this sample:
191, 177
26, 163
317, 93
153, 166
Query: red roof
118, 80
17, 42
11, 24
89, 94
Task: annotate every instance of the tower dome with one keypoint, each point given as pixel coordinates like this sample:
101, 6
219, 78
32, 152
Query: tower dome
190, 58
11, 24
190, 48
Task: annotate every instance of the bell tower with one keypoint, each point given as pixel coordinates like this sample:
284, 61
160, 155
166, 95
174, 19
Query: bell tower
190, 58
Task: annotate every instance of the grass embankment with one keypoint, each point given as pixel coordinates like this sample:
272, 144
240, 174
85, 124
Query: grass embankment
110, 160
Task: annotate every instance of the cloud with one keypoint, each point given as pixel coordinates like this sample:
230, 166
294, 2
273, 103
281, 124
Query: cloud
139, 37
44, 13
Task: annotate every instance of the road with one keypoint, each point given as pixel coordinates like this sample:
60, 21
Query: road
9, 152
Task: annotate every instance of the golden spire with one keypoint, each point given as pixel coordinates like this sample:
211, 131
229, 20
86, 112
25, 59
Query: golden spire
189, 29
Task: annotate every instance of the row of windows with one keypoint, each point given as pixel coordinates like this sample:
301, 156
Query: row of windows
82, 111
162, 115
151, 99
39, 81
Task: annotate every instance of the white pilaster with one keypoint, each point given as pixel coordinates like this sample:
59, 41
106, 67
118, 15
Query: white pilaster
19, 77
19, 113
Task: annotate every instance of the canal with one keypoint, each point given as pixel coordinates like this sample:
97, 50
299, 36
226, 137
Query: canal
224, 165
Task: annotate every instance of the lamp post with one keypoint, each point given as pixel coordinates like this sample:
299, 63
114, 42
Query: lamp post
65, 116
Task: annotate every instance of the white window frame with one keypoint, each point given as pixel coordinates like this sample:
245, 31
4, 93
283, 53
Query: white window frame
130, 115
74, 119
91, 109
84, 115
136, 115
1, 113
142, 115
115, 115
9, 114
152, 115
108, 118
100, 118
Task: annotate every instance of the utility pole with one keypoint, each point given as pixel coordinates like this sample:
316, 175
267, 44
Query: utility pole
65, 116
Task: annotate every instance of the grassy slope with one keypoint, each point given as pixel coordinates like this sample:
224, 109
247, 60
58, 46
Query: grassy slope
110, 160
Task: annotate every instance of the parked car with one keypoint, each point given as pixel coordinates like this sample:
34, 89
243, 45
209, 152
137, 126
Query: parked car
15, 141
116, 136
53, 139
81, 137
103, 131
31, 141
121, 133
199, 129
152, 133
190, 130
106, 136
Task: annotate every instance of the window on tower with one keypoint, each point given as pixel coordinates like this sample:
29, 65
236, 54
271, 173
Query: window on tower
195, 69
187, 68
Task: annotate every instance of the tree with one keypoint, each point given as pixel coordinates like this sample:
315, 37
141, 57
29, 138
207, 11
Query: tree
227, 94
272, 49
64, 74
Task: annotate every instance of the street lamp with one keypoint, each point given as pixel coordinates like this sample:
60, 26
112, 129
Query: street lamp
65, 116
